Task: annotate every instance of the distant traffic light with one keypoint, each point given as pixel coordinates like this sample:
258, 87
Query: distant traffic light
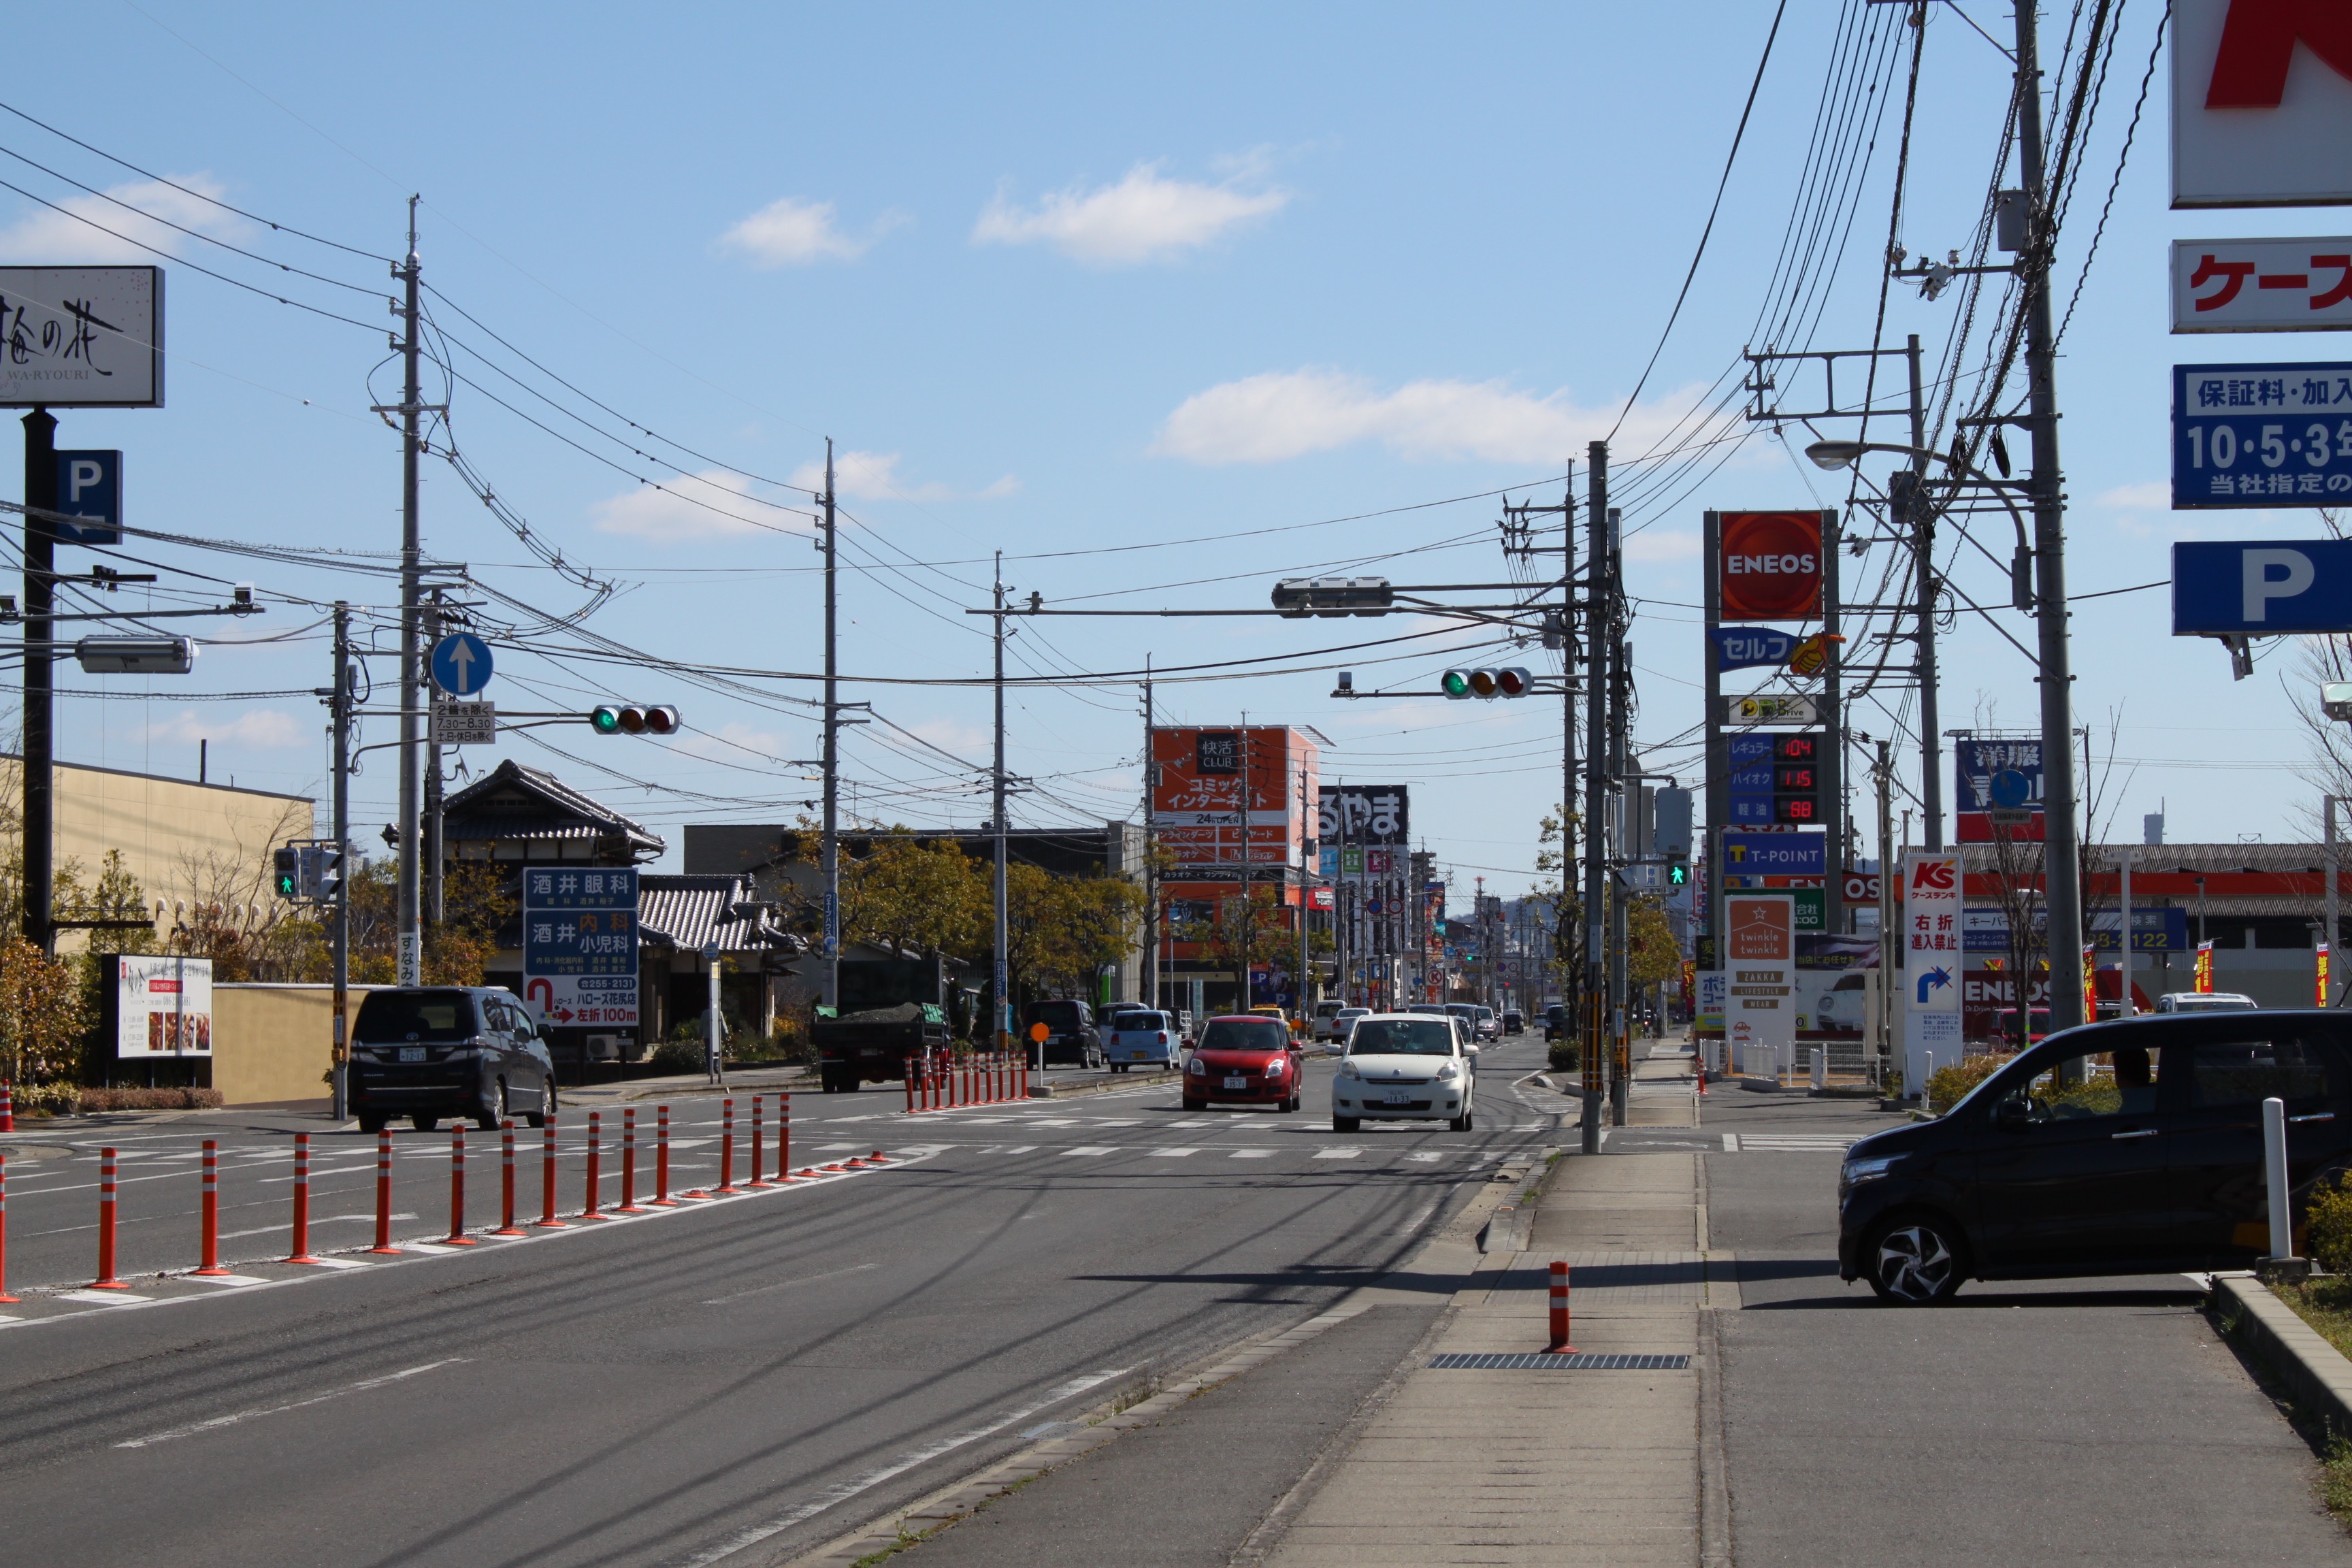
1333, 596
287, 873
613, 720
1512, 681
326, 872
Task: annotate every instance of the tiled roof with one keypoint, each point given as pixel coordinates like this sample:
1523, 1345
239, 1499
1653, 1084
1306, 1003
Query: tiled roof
690, 912
516, 801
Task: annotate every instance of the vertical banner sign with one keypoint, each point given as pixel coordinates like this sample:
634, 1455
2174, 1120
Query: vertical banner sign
163, 1005
2322, 977
580, 944
1931, 963
2091, 981
1759, 1014
2204, 972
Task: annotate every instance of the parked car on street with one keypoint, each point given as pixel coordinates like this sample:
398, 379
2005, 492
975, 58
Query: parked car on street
1071, 1038
1244, 1059
2133, 1147
1142, 1035
2205, 1002
1402, 1067
1514, 1021
428, 1052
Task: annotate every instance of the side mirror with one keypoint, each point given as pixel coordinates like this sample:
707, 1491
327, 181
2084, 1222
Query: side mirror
1471, 1050
2011, 1115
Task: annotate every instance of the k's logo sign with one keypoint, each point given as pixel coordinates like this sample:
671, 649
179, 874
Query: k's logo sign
1932, 875
2258, 42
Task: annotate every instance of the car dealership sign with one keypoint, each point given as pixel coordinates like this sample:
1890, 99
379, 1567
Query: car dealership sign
2262, 103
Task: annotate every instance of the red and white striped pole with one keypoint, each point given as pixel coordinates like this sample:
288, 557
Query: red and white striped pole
783, 1137
507, 1225
907, 1066
210, 1212
4, 1297
302, 1253
629, 1161
758, 1149
384, 1191
8, 1114
457, 1236
727, 1147
1560, 1345
547, 1220
596, 1165
662, 1200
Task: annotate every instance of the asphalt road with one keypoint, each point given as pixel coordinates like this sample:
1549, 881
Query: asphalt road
2080, 1421
755, 1374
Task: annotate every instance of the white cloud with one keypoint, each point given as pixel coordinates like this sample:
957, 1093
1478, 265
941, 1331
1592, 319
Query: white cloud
874, 476
1144, 217
1288, 413
713, 504
2154, 495
263, 727
47, 236
794, 233
1662, 544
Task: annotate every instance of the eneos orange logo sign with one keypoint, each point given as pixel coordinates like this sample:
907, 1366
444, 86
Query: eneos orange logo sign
1770, 567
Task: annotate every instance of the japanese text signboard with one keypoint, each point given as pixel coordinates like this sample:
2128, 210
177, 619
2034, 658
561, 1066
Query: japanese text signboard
1760, 944
2262, 435
1198, 780
2262, 103
163, 1005
1931, 945
2261, 285
1997, 776
580, 944
1362, 813
81, 336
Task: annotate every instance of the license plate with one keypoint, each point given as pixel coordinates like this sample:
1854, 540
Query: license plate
1236, 1083
412, 1053
1397, 1097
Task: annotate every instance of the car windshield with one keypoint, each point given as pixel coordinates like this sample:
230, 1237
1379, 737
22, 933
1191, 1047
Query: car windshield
1062, 1018
1401, 1037
1244, 1035
2213, 1004
415, 1016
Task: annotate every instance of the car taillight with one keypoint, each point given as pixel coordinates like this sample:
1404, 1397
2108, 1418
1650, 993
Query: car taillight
1163, 1037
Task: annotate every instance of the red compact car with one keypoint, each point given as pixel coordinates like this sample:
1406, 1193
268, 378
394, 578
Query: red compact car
1243, 1060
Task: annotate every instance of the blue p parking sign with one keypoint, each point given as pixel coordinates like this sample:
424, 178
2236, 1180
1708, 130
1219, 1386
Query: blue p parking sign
89, 491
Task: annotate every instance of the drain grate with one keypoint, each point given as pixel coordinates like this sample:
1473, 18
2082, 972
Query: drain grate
1538, 1361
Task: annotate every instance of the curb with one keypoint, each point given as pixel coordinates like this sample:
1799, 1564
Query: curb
2314, 1371
1115, 1080
1506, 1228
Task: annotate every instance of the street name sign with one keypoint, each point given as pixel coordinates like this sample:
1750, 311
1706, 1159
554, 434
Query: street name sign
2261, 435
2262, 587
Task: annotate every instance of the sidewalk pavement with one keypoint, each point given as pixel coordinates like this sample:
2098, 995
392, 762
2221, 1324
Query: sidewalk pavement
1549, 1465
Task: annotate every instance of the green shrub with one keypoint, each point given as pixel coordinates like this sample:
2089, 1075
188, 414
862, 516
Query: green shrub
681, 1053
2328, 1216
1566, 1056
1950, 1085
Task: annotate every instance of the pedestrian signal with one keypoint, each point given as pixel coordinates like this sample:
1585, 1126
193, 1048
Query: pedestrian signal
285, 866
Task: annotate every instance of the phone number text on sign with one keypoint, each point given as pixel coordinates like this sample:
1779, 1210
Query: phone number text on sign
2261, 435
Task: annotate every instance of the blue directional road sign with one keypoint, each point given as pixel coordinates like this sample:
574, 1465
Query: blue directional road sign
89, 489
2262, 588
2262, 435
461, 664
2011, 789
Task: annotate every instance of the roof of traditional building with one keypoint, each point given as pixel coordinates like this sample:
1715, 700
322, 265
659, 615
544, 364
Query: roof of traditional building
689, 913
514, 802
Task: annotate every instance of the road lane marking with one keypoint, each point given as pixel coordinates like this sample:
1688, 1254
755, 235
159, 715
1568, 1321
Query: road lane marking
1022, 1149
1337, 1153
1172, 1154
788, 1284
865, 1480
1426, 1156
1253, 1153
102, 1297
1732, 1143
230, 1278
230, 1420
1087, 1153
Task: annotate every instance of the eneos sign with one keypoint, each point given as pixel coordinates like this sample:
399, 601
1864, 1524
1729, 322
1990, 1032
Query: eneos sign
1769, 568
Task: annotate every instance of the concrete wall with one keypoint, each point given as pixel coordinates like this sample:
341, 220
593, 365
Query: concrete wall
272, 1044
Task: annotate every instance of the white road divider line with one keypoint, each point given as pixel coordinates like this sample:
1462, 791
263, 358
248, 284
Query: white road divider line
1732, 1143
1087, 1153
1337, 1153
219, 1421
1253, 1153
102, 1297
1172, 1154
867, 1480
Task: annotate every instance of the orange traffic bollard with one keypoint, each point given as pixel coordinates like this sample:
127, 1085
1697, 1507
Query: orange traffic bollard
507, 1225
457, 1236
629, 1204
302, 1253
210, 1267
1560, 1345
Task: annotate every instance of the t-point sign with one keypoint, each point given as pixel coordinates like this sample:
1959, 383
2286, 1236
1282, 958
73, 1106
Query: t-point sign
2262, 588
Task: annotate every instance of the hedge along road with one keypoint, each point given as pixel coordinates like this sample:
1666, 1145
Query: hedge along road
650, 1392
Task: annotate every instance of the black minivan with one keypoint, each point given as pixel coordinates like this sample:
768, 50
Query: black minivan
2131, 1147
1071, 1038
428, 1052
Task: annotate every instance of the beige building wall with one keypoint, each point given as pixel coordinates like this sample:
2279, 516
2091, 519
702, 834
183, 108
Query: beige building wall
186, 843
272, 1044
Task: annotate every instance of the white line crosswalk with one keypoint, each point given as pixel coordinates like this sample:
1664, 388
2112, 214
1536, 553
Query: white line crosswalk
1788, 1142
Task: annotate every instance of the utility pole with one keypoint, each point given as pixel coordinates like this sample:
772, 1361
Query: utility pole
1150, 861
1249, 910
1890, 860
435, 908
1596, 871
1004, 1002
1620, 692
1300, 982
2062, 863
40, 680
830, 852
1923, 571
411, 965
338, 712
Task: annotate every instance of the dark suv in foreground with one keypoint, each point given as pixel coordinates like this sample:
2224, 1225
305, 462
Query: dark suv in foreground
428, 1052
2133, 1147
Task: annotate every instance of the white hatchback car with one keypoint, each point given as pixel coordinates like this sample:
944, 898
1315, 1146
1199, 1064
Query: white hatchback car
1404, 1067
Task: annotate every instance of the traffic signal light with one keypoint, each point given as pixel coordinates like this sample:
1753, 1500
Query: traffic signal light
610, 718
1333, 596
326, 872
1512, 681
1677, 873
286, 873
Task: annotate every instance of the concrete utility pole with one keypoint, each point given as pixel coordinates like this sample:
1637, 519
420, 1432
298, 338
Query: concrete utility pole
411, 942
434, 904
339, 718
1923, 571
1596, 870
1249, 911
830, 852
40, 715
1003, 1001
1150, 862
1890, 859
1621, 693
2062, 863
1562, 956
1299, 981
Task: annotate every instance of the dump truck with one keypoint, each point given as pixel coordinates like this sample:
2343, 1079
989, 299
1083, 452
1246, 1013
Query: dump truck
890, 1009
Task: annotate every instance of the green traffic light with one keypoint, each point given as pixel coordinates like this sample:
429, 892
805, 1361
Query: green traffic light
1456, 684
605, 721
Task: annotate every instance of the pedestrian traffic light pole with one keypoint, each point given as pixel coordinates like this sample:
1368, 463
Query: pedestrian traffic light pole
830, 850
410, 945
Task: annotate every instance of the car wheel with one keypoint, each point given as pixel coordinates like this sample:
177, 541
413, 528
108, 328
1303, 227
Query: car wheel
423, 1120
1915, 1261
490, 1112
372, 1122
546, 1104
1347, 1124
1191, 1104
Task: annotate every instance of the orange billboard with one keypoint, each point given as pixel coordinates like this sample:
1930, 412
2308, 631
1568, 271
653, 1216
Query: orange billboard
1199, 778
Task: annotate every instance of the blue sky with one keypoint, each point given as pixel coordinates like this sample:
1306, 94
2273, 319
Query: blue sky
1062, 281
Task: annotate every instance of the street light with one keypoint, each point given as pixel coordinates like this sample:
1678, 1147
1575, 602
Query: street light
1835, 454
